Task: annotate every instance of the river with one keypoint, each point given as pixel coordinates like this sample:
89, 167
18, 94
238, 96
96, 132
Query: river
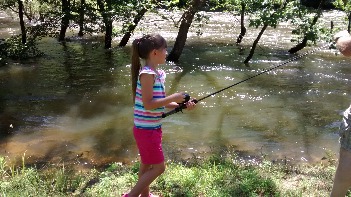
74, 105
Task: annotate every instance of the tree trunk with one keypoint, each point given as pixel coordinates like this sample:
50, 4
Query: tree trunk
331, 33
23, 28
242, 24
303, 44
108, 35
107, 21
349, 25
132, 27
187, 19
81, 18
299, 46
252, 51
65, 19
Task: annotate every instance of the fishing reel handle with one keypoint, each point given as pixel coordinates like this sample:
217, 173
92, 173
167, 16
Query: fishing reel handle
186, 98
180, 107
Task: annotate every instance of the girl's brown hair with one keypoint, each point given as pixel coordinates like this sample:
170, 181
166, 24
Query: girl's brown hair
141, 49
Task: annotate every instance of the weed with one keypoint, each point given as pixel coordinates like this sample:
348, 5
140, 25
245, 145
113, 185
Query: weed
223, 174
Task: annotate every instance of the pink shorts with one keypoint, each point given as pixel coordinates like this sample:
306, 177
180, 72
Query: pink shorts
149, 143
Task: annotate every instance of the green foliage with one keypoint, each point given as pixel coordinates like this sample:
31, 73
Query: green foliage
3, 166
34, 10
115, 180
128, 10
65, 181
26, 181
24, 184
235, 6
269, 12
307, 25
22, 181
14, 49
217, 175
344, 5
200, 20
174, 4
8, 4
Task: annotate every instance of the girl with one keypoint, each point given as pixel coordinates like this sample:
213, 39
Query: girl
149, 102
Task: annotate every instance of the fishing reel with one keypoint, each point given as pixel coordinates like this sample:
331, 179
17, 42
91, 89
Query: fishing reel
186, 99
180, 107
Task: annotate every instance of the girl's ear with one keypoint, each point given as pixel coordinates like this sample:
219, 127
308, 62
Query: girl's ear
154, 52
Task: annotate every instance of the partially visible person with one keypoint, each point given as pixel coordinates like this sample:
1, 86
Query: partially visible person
342, 180
343, 42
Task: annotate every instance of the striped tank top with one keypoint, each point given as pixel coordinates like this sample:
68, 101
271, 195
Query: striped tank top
149, 119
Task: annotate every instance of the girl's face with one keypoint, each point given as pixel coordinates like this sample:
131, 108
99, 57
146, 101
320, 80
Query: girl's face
160, 55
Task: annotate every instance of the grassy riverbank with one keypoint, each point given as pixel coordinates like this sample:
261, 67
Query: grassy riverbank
225, 175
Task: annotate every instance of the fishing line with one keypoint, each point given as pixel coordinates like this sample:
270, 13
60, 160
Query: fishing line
187, 97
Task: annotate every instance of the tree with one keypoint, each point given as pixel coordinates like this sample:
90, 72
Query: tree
345, 5
24, 45
23, 28
132, 27
186, 21
235, 7
81, 18
105, 8
308, 29
85, 14
17, 7
242, 24
131, 13
66, 11
270, 14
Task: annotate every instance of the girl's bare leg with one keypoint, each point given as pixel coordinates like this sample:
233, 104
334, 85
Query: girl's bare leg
149, 175
144, 168
342, 180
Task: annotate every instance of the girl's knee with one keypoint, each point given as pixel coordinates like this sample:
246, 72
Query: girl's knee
160, 168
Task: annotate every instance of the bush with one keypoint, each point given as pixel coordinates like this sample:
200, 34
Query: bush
14, 49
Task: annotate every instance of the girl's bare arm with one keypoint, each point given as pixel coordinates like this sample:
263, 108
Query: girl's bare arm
147, 82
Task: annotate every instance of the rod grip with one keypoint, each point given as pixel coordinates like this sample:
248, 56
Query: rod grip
177, 109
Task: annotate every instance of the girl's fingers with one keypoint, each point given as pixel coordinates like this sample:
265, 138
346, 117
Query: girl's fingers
190, 105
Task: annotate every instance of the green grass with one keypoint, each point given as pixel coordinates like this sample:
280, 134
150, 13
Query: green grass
216, 175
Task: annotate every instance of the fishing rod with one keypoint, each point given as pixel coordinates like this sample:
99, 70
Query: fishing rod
187, 97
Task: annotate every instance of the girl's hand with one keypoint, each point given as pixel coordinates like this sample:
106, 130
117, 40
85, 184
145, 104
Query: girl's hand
178, 97
190, 105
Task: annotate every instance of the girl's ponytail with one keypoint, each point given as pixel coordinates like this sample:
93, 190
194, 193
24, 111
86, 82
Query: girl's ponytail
135, 68
141, 49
